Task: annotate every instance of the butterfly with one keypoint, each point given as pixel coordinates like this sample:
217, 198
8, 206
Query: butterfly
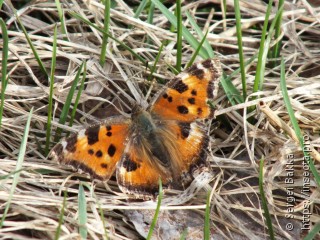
165, 140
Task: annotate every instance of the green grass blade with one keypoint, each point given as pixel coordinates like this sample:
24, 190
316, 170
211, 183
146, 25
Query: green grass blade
268, 41
58, 231
4, 79
184, 234
175, 71
224, 13
262, 57
36, 55
156, 214
186, 34
77, 16
313, 233
264, 46
241, 58
103, 220
260, 67
20, 159
276, 48
232, 93
107, 6
140, 8
206, 43
82, 213
206, 234
74, 110
195, 54
51, 79
264, 202
150, 18
151, 13
67, 104
2, 177
295, 124
179, 35
61, 17
153, 68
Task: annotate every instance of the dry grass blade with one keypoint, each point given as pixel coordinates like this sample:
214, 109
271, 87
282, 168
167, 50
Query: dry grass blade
113, 88
15, 181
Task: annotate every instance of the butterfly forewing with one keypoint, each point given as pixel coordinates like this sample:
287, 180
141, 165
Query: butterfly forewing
95, 150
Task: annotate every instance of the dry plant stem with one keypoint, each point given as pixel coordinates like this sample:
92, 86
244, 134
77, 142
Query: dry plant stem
278, 122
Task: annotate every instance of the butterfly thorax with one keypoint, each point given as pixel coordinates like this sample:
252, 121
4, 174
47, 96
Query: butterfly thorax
142, 121
147, 136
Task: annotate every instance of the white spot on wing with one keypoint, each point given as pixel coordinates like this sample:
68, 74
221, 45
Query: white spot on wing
81, 133
195, 133
64, 144
184, 75
200, 66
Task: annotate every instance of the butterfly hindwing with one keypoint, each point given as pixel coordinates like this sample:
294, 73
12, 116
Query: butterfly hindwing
136, 175
191, 142
141, 166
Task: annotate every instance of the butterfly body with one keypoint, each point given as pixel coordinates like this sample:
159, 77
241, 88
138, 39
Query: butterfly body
165, 141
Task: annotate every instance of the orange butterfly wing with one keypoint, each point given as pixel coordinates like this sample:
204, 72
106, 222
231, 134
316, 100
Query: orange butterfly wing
186, 95
139, 174
192, 141
183, 141
95, 150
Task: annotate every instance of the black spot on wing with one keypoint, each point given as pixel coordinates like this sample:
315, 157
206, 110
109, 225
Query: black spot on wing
183, 109
199, 111
92, 134
210, 89
111, 150
166, 96
194, 92
99, 154
109, 133
192, 100
199, 73
90, 151
192, 68
104, 165
195, 71
71, 143
129, 164
202, 155
207, 64
58, 149
180, 86
184, 129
